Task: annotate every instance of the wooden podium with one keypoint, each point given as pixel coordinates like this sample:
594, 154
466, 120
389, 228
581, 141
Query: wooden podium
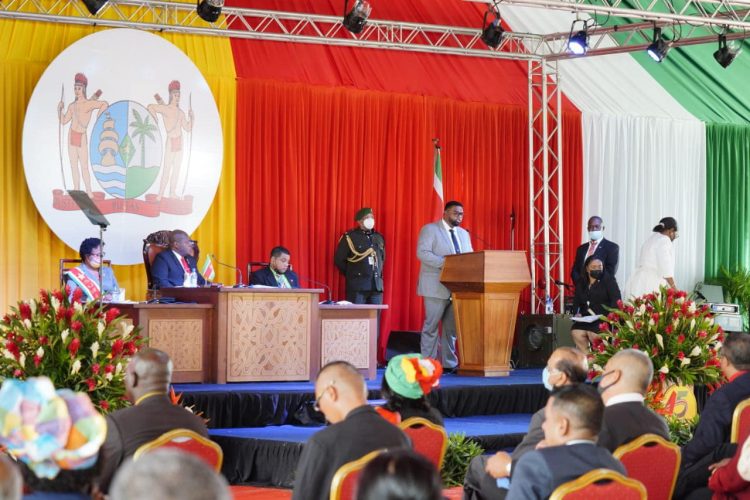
485, 287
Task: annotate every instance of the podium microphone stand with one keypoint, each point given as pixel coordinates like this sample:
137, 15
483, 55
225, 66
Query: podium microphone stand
95, 216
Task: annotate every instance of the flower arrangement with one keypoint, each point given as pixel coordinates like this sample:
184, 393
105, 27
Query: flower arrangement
79, 346
679, 336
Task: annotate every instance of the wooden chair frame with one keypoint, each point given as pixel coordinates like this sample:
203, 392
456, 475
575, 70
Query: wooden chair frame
593, 477
420, 421
338, 478
735, 435
645, 440
180, 433
64, 267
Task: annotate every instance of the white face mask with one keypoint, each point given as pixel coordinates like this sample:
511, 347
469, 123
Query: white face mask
596, 235
369, 223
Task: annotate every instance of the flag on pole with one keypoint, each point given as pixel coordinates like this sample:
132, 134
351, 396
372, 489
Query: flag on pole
437, 182
208, 271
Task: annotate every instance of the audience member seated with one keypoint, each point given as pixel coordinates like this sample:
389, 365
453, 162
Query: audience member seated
55, 436
726, 481
565, 366
356, 430
400, 475
408, 380
277, 273
710, 443
573, 418
171, 267
86, 276
623, 387
168, 475
147, 379
10, 479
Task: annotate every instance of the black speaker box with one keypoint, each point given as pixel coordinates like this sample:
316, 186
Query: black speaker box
534, 340
402, 342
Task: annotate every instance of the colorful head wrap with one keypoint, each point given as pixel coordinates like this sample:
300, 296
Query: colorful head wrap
362, 213
412, 376
174, 85
80, 79
49, 430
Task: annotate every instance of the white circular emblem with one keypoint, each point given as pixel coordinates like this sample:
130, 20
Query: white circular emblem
126, 117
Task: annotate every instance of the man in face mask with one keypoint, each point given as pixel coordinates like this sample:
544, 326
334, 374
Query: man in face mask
360, 256
566, 366
606, 251
623, 386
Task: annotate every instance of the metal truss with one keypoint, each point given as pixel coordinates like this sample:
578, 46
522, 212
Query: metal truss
545, 186
181, 17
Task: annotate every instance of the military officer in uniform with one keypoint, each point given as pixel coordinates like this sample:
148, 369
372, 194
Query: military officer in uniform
359, 256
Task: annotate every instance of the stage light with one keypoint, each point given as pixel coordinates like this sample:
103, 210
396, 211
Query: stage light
355, 19
492, 32
659, 47
210, 10
94, 5
578, 41
724, 55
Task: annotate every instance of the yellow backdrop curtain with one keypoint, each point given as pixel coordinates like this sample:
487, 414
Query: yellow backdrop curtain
29, 250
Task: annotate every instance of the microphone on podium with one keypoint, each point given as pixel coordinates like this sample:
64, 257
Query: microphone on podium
328, 289
239, 271
487, 246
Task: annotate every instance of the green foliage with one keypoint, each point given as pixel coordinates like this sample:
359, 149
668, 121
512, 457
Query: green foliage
736, 286
681, 429
459, 453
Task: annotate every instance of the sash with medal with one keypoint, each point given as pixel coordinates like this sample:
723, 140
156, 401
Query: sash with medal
89, 286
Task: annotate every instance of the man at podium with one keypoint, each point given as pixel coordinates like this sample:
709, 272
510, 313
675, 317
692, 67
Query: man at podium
436, 240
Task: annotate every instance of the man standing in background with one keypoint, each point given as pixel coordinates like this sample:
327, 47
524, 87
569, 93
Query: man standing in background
359, 256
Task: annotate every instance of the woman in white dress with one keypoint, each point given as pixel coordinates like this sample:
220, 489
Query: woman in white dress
656, 262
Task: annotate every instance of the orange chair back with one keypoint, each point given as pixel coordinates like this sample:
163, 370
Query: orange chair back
653, 461
189, 442
741, 422
601, 484
344, 482
428, 439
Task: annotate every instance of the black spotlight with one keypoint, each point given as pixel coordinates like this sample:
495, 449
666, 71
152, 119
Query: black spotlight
210, 10
492, 32
355, 19
724, 55
659, 47
578, 41
94, 5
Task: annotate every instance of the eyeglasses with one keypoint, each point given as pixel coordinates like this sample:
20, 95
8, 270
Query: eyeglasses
99, 255
316, 406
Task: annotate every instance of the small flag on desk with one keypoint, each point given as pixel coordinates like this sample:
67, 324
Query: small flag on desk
208, 269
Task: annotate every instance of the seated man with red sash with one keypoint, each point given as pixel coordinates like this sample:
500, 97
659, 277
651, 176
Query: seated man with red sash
86, 276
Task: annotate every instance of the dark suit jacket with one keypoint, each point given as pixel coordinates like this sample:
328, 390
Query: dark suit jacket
129, 428
715, 424
624, 422
607, 251
361, 276
265, 277
539, 472
167, 271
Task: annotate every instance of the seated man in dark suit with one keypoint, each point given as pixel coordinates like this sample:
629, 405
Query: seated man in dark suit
147, 379
623, 387
606, 251
566, 366
710, 443
171, 266
573, 418
356, 429
277, 274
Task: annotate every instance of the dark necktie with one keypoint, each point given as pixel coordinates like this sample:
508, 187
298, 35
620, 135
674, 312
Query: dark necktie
455, 241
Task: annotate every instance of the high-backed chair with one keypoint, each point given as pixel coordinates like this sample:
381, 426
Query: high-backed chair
741, 422
344, 482
428, 439
68, 264
653, 461
600, 484
153, 245
189, 442
254, 265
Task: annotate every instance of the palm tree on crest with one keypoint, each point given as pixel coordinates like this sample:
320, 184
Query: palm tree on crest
143, 128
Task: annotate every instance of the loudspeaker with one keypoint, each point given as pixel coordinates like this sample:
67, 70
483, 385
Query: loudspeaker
533, 341
402, 342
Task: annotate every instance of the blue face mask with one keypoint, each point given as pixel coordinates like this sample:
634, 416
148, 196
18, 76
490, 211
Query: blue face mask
545, 380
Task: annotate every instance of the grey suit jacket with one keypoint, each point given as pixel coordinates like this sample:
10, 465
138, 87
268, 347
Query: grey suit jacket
433, 245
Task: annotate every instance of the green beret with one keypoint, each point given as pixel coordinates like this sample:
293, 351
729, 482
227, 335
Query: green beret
362, 213
412, 376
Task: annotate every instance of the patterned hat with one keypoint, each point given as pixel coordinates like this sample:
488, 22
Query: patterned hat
174, 85
412, 376
49, 430
362, 213
80, 79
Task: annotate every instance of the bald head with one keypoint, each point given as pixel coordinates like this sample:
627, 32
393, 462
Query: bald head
10, 479
631, 371
149, 370
339, 389
567, 365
